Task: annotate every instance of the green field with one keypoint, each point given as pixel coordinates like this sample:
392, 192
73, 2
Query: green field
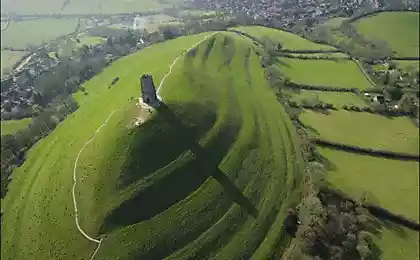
211, 173
89, 40
365, 130
408, 65
289, 40
36, 32
12, 126
83, 6
345, 74
9, 59
399, 29
392, 184
338, 99
398, 243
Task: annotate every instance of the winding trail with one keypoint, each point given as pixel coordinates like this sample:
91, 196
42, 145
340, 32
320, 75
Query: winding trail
76, 211
177, 58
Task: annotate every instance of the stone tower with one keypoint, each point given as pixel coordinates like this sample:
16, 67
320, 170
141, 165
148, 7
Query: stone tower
148, 90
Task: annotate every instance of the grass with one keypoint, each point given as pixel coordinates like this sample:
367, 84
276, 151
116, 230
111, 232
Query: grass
399, 29
345, 74
408, 65
365, 130
83, 7
12, 126
89, 40
36, 32
218, 160
289, 40
400, 243
338, 99
9, 59
392, 184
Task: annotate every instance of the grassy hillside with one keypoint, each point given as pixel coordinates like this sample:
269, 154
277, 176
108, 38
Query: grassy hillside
392, 184
338, 99
210, 173
399, 29
344, 74
12, 126
365, 130
35, 32
398, 243
289, 40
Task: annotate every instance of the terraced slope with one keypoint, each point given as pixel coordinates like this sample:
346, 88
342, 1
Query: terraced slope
208, 176
289, 40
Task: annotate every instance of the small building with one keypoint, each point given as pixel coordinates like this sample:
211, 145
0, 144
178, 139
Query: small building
148, 90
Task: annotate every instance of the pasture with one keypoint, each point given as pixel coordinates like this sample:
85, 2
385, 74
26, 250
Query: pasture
345, 74
219, 160
12, 126
392, 184
338, 99
36, 32
365, 130
398, 243
83, 7
9, 59
399, 29
289, 40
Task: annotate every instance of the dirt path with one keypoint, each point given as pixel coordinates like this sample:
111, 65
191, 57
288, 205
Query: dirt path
76, 210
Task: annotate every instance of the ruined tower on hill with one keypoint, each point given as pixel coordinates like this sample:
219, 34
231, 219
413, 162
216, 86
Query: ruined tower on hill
148, 90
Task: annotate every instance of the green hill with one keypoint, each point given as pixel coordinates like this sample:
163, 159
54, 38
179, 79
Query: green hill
399, 29
209, 175
289, 40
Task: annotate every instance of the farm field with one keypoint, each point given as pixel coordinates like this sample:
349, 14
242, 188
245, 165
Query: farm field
408, 65
345, 74
89, 40
36, 32
399, 29
365, 130
338, 99
289, 40
220, 169
392, 184
82, 7
12, 126
398, 243
9, 58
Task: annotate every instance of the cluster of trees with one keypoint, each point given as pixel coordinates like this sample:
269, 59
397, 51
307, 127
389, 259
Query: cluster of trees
331, 227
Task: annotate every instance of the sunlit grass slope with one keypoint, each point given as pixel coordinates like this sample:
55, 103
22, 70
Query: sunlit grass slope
289, 40
208, 176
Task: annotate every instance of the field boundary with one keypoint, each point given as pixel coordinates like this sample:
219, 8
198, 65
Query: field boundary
321, 88
366, 151
375, 209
